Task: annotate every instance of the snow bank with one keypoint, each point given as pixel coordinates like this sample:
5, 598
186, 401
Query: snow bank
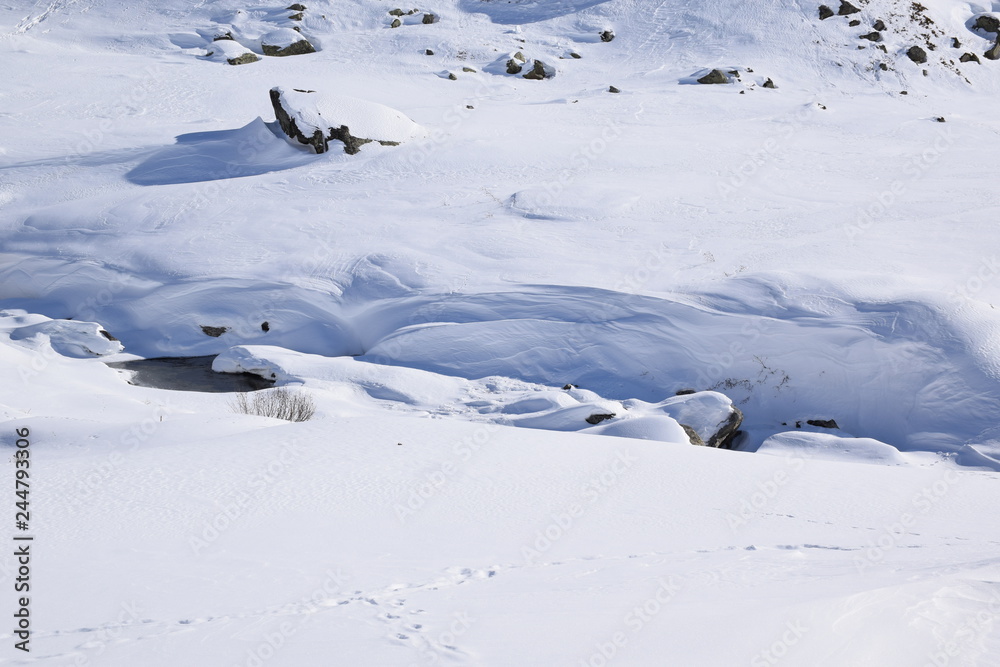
68, 338
830, 447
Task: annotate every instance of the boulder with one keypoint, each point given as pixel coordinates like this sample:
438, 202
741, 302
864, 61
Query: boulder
396, 12
916, 54
428, 52
987, 23
214, 332
824, 12
296, 7
994, 52
315, 120
969, 57
599, 417
70, 338
540, 71
715, 76
395, 23
823, 423
873, 36
607, 35
513, 67
231, 52
430, 18
879, 25
847, 8
769, 84
285, 42
693, 436
710, 414
855, 23
612, 89
298, 16
955, 44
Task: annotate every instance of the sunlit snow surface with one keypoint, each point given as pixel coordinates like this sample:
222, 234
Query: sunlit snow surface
822, 251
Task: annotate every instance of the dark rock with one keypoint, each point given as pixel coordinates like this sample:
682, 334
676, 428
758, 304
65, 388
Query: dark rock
994, 53
940, 119
452, 77
294, 49
538, 72
599, 417
903, 92
883, 67
319, 141
855, 23
969, 57
847, 8
469, 69
916, 54
214, 332
469, 106
987, 23
430, 18
879, 25
428, 52
685, 392
520, 57
715, 76
873, 37
612, 89
726, 431
298, 16
823, 423
396, 12
607, 35
824, 12
265, 327
296, 7
693, 436
513, 67
769, 84
955, 44
244, 59
107, 335
219, 38
575, 55
567, 387
395, 23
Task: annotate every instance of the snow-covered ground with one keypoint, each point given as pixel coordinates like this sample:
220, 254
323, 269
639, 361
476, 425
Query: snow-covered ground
534, 254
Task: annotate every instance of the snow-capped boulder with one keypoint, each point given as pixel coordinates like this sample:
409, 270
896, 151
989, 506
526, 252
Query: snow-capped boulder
825, 446
987, 23
708, 413
315, 119
232, 52
285, 42
715, 76
540, 70
70, 338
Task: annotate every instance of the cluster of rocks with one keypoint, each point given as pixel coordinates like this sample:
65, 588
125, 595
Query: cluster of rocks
984, 23
278, 43
399, 16
539, 69
718, 76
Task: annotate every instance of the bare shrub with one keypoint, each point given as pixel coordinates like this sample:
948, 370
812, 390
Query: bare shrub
281, 403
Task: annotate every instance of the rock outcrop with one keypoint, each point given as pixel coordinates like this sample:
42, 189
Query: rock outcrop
315, 120
715, 76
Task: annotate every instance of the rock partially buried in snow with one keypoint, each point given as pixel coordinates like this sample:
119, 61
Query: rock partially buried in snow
72, 339
987, 23
540, 71
824, 446
231, 52
315, 120
847, 8
285, 42
715, 76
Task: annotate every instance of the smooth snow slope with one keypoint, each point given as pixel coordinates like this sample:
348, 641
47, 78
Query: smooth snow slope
823, 250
